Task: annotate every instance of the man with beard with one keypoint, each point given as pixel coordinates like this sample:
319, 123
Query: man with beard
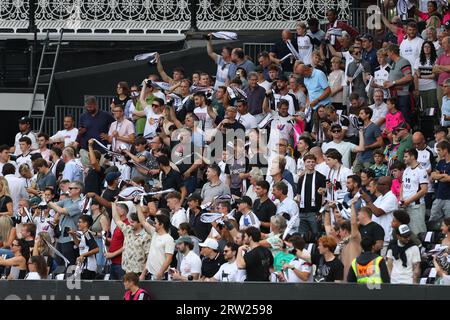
239, 61
94, 124
282, 93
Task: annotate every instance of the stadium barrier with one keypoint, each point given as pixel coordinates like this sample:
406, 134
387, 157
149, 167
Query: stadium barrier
163, 290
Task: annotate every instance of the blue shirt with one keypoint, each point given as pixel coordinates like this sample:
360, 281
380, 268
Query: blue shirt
443, 188
70, 219
72, 172
95, 125
316, 85
445, 110
371, 58
247, 65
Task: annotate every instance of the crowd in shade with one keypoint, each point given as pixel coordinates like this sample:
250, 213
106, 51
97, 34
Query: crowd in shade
325, 160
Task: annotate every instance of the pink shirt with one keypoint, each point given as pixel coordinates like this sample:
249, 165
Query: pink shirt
396, 186
124, 128
443, 60
393, 120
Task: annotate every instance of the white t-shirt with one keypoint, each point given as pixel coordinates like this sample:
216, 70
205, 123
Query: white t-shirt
228, 272
345, 149
87, 243
302, 266
178, 218
323, 168
379, 112
340, 176
388, 203
247, 120
410, 49
33, 138
424, 158
68, 135
202, 114
152, 122
424, 84
280, 128
190, 264
160, 245
400, 274
33, 276
379, 77
305, 48
290, 194
288, 206
412, 179
249, 220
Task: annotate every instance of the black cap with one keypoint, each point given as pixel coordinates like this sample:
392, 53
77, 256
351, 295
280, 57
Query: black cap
336, 126
245, 199
367, 36
259, 69
25, 120
282, 77
195, 196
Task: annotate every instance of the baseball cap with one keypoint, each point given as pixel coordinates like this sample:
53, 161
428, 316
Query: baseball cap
404, 230
195, 196
282, 77
259, 69
25, 120
367, 36
245, 199
184, 239
402, 125
111, 169
336, 126
209, 243
110, 177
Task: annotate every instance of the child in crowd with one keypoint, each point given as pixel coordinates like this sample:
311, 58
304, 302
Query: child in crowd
397, 169
379, 167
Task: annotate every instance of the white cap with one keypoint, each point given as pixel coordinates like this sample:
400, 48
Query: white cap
210, 243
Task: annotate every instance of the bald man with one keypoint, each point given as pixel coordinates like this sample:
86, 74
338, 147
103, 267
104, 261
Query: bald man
321, 165
316, 83
280, 50
427, 159
383, 208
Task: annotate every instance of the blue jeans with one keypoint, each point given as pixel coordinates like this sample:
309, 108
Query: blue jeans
191, 184
116, 272
404, 106
100, 255
308, 223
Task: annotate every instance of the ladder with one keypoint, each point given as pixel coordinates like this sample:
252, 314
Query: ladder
50, 49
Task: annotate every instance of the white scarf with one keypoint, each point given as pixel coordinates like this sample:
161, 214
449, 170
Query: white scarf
313, 191
292, 50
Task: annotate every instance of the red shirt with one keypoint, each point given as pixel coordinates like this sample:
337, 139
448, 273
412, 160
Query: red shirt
117, 243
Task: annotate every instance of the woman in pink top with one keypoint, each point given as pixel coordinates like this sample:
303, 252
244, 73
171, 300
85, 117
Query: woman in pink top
393, 118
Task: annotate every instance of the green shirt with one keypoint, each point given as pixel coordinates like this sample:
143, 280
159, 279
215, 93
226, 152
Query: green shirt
405, 143
280, 259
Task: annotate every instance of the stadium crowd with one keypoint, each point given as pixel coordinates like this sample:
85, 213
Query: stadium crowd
326, 160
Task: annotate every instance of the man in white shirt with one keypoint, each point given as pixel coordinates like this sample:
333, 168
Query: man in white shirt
288, 208
411, 46
178, 213
153, 114
281, 150
191, 265
427, 160
228, 272
283, 94
4, 157
304, 41
121, 132
383, 208
281, 126
298, 270
403, 258
379, 109
344, 147
249, 218
276, 173
243, 116
25, 131
24, 155
337, 176
16, 186
69, 133
413, 190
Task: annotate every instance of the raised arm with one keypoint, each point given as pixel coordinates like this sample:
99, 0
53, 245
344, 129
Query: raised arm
116, 216
164, 76
92, 159
360, 147
210, 50
147, 226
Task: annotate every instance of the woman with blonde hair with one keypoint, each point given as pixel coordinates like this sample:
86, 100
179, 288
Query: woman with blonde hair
255, 176
41, 248
6, 211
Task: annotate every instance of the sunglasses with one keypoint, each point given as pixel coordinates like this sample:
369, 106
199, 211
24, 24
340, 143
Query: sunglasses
336, 131
155, 105
71, 188
356, 52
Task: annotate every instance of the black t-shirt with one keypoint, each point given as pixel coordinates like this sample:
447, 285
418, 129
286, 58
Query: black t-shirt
258, 262
264, 211
172, 180
110, 195
320, 183
372, 230
281, 50
93, 181
211, 266
201, 229
329, 271
3, 202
